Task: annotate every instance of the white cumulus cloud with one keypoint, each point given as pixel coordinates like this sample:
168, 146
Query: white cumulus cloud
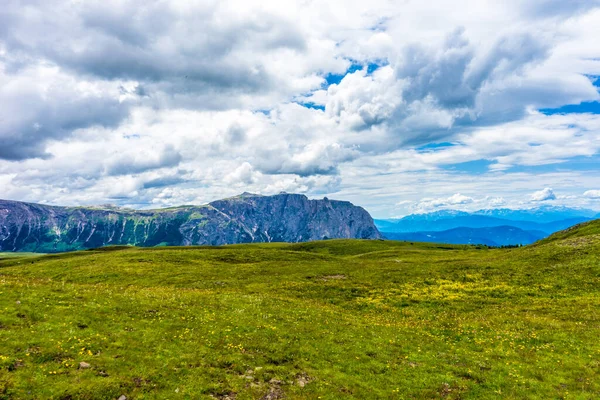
592, 194
543, 195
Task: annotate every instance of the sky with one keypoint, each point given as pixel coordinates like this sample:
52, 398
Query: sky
398, 106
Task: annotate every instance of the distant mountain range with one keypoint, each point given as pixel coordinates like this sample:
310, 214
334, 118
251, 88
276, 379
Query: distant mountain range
242, 219
495, 227
409, 224
495, 236
254, 218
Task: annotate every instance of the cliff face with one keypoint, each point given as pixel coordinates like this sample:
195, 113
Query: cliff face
243, 219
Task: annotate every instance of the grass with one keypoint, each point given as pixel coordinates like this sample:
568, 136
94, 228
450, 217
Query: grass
5, 256
332, 320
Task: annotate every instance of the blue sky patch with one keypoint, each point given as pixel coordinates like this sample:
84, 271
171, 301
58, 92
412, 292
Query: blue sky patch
313, 106
434, 146
591, 107
372, 67
331, 79
471, 167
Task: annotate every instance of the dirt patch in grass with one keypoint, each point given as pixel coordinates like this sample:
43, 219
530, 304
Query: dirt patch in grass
224, 396
302, 379
275, 393
333, 277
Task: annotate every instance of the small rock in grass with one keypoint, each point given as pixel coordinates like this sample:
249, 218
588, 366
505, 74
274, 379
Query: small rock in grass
18, 302
84, 365
275, 393
122, 397
15, 365
302, 380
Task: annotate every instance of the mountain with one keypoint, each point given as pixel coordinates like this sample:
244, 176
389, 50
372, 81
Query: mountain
242, 219
494, 217
510, 227
416, 223
495, 236
542, 214
436, 215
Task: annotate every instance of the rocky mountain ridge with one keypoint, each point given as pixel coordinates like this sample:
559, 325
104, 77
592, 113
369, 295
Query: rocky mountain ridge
242, 219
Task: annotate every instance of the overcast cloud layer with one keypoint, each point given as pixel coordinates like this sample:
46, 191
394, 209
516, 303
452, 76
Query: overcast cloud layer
398, 106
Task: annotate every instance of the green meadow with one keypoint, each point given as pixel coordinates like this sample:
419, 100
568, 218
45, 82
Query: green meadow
5, 256
339, 319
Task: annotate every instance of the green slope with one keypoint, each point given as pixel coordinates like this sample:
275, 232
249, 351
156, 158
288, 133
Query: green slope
5, 256
589, 230
331, 320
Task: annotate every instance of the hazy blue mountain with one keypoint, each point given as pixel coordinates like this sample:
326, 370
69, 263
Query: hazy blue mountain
437, 215
414, 223
540, 214
386, 225
495, 227
242, 219
495, 236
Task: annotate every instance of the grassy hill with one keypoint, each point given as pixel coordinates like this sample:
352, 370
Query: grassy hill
331, 320
6, 256
590, 231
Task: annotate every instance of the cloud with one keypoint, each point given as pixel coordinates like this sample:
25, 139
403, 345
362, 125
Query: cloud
458, 199
430, 93
315, 184
453, 76
592, 194
535, 140
163, 181
243, 175
546, 194
497, 202
181, 53
554, 8
42, 104
166, 102
144, 161
429, 204
361, 101
313, 159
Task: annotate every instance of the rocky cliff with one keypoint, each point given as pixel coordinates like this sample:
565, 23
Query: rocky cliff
242, 219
